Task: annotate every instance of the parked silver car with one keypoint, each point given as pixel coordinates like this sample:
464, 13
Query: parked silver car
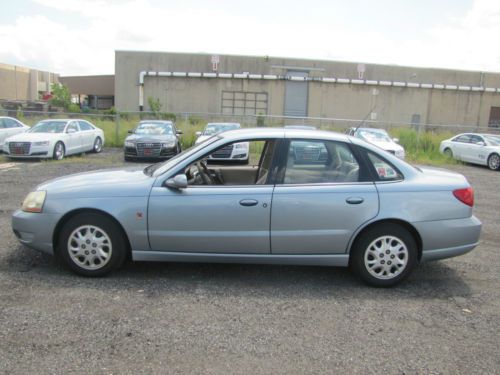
358, 206
10, 126
55, 139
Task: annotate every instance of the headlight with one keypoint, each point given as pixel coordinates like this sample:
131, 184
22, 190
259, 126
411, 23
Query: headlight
34, 201
240, 145
129, 144
168, 144
41, 143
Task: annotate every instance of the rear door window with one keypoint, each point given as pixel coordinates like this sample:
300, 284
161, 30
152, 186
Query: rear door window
316, 162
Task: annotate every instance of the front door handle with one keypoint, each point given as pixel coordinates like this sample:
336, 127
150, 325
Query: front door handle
354, 200
248, 202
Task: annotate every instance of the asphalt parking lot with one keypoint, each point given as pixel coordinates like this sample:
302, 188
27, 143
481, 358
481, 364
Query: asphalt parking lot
210, 318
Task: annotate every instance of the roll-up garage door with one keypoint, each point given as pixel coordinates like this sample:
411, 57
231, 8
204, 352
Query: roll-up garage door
296, 96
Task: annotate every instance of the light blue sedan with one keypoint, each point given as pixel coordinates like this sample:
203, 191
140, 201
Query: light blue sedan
355, 206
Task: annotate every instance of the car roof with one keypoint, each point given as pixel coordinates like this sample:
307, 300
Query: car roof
307, 127
223, 123
282, 133
62, 119
372, 129
156, 122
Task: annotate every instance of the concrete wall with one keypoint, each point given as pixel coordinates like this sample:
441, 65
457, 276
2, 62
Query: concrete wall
20, 83
327, 100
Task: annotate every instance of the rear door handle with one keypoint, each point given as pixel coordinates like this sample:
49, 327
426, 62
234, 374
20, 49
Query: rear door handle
248, 202
354, 200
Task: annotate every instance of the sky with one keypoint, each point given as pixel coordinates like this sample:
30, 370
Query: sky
79, 37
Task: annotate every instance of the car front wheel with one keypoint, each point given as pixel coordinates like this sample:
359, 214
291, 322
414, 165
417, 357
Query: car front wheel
448, 153
59, 151
92, 244
384, 255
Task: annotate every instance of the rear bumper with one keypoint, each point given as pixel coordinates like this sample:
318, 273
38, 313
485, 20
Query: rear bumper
448, 238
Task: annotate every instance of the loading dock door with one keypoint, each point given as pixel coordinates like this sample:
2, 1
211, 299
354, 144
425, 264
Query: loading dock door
296, 96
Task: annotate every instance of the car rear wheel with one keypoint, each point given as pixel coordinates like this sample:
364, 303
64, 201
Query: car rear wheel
384, 255
494, 162
448, 152
59, 151
92, 244
97, 145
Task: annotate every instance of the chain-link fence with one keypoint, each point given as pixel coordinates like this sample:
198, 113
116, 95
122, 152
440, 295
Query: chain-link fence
117, 125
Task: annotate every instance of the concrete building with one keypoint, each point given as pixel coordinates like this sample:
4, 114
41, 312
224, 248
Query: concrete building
253, 85
96, 92
19, 83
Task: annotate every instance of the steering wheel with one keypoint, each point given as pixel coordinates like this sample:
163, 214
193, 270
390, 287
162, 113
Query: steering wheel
205, 173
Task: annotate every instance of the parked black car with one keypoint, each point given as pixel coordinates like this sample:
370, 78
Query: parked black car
152, 139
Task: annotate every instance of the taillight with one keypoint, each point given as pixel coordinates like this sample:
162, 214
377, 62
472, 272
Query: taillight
465, 195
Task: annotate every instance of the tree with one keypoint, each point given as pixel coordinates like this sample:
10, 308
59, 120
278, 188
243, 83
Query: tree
154, 105
61, 96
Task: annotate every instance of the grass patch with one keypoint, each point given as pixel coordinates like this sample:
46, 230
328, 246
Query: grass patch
423, 147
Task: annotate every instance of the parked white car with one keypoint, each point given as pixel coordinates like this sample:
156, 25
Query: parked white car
10, 126
379, 138
483, 149
55, 139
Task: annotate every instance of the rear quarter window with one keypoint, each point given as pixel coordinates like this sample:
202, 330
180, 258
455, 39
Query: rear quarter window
384, 171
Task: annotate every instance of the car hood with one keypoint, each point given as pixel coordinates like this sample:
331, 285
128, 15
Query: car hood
34, 137
124, 182
150, 138
202, 138
388, 146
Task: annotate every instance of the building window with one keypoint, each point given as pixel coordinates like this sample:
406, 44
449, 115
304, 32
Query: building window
494, 117
244, 103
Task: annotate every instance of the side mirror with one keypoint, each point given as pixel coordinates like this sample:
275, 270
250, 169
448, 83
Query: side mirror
395, 140
198, 134
130, 132
71, 131
178, 182
480, 143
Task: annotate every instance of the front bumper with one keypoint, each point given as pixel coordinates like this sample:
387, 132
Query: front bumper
448, 238
33, 152
163, 153
35, 230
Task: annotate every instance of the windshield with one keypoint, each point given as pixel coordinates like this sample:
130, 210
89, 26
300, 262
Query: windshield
212, 129
374, 135
48, 127
154, 129
162, 167
493, 140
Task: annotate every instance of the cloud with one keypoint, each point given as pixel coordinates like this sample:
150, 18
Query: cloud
49, 41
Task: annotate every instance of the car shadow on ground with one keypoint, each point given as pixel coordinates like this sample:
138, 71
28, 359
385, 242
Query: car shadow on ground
433, 280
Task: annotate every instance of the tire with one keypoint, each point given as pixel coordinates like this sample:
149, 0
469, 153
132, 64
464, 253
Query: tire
59, 151
448, 152
101, 249
127, 158
179, 150
97, 145
371, 255
494, 162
